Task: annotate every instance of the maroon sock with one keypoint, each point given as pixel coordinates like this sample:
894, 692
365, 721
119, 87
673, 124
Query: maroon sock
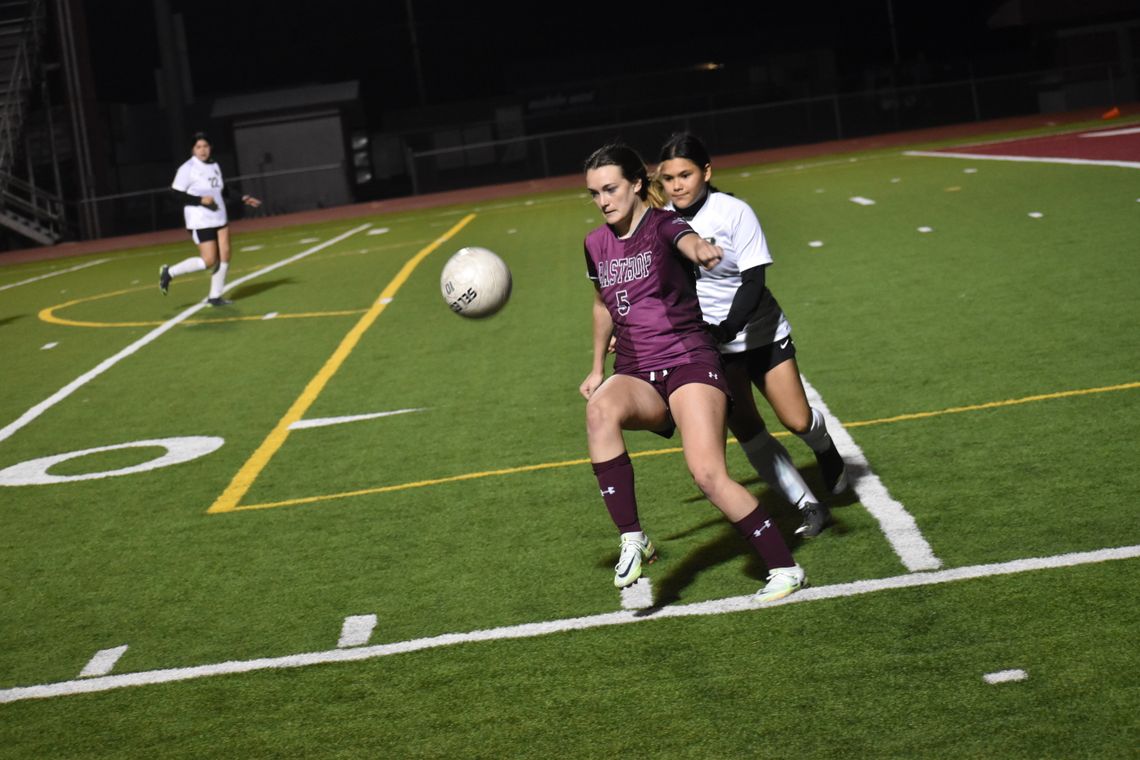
760, 530
615, 479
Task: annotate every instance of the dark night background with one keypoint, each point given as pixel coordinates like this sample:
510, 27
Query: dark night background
428, 95
470, 50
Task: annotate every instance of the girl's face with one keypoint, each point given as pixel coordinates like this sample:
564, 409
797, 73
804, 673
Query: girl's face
684, 181
201, 150
614, 195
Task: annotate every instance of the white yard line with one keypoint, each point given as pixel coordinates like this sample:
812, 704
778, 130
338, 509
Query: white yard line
103, 662
326, 421
152, 336
1005, 676
531, 630
53, 274
1113, 132
1025, 159
356, 630
638, 596
898, 525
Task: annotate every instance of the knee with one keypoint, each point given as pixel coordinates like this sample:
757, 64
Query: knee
600, 418
798, 422
709, 479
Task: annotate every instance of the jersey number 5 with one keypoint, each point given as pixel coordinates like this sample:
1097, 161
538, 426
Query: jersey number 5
622, 301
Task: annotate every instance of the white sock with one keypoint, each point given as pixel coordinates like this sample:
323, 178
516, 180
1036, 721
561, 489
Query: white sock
771, 461
816, 436
187, 266
218, 280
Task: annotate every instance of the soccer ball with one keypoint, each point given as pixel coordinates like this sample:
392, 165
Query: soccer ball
475, 282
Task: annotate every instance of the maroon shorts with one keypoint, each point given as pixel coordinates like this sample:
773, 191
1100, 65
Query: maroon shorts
665, 381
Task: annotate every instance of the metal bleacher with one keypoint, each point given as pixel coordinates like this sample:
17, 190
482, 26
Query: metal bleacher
25, 208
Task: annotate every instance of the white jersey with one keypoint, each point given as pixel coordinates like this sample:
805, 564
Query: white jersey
201, 178
731, 224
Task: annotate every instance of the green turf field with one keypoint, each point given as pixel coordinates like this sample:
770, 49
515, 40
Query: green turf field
987, 370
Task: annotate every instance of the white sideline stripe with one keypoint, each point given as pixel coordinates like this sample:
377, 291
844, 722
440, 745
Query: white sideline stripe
530, 630
638, 596
103, 662
1026, 159
53, 274
1112, 132
898, 525
151, 336
1003, 676
325, 421
356, 631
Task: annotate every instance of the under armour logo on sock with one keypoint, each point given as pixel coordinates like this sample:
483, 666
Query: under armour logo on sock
756, 533
609, 491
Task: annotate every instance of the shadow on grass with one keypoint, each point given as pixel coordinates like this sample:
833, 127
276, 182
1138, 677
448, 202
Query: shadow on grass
9, 320
256, 288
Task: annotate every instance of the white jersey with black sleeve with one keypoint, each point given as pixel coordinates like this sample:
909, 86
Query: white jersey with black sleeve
731, 224
201, 178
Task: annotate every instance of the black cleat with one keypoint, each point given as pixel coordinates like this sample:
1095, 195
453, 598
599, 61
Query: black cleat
164, 278
833, 469
218, 301
816, 517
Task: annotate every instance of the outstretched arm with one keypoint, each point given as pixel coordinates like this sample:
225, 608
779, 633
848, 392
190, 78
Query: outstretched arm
699, 251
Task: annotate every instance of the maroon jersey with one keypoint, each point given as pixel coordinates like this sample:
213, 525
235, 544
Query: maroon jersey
649, 288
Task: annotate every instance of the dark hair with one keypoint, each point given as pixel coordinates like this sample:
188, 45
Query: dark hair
626, 159
686, 145
194, 138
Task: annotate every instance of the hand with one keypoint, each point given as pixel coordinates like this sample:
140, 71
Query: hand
612, 347
208, 202
249, 200
709, 254
720, 333
590, 384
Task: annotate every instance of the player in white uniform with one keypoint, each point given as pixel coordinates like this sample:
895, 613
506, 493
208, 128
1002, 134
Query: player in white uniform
754, 335
201, 190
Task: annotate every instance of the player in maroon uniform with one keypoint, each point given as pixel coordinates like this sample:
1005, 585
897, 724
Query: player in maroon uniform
667, 372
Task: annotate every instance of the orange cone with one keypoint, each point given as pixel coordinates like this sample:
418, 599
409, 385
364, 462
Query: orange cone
1111, 113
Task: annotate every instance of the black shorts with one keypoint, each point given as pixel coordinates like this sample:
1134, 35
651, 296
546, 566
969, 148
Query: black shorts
760, 361
205, 235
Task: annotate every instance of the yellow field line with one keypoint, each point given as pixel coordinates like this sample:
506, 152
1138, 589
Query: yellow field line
677, 450
241, 483
995, 404
48, 314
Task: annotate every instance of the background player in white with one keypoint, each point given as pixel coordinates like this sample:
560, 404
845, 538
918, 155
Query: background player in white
667, 370
754, 335
200, 189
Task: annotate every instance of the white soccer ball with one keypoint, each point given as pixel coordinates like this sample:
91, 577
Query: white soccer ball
475, 282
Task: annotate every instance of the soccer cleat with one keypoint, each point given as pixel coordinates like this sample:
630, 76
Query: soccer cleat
219, 301
636, 548
833, 469
782, 581
164, 278
816, 517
